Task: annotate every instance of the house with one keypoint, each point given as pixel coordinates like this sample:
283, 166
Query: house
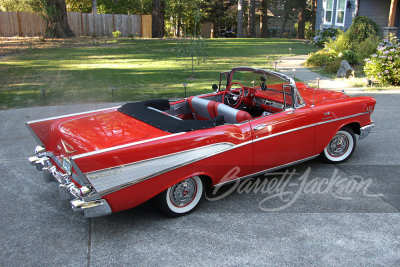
340, 13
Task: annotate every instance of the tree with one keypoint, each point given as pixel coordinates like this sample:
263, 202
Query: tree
252, 19
54, 12
17, 5
240, 20
84, 6
264, 19
158, 19
182, 14
217, 12
313, 13
122, 6
289, 5
94, 6
302, 18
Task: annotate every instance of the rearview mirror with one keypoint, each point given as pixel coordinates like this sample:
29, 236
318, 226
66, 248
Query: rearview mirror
215, 87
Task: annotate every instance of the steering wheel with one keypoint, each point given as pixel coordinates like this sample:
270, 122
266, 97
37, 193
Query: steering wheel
235, 96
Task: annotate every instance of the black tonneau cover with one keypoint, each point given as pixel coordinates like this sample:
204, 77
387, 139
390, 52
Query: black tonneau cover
165, 122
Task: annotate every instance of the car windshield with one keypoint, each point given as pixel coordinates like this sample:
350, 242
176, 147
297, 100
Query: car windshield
272, 84
255, 78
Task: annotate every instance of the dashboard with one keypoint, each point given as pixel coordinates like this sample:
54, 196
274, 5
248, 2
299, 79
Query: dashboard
255, 97
267, 102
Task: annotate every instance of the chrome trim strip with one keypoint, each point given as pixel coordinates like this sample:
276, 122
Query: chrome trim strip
343, 118
70, 115
267, 170
285, 132
123, 146
164, 156
125, 174
38, 141
308, 126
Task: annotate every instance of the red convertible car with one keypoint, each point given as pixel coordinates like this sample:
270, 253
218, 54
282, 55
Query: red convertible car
114, 159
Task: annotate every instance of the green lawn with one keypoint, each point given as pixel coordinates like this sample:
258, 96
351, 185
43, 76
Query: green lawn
138, 69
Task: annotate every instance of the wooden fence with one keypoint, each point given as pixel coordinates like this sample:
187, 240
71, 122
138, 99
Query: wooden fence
82, 24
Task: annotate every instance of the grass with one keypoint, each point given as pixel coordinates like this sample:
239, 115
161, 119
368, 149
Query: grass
138, 69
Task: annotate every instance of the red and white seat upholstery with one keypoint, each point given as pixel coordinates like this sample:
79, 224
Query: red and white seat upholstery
204, 109
230, 114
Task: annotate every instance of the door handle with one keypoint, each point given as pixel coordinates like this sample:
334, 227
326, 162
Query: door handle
259, 127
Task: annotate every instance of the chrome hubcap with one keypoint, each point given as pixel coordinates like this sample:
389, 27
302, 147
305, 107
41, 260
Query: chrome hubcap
183, 193
338, 146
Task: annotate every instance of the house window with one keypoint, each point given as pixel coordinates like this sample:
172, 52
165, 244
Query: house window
340, 12
328, 10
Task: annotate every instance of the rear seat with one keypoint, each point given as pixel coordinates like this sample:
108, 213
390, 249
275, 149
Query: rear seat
204, 109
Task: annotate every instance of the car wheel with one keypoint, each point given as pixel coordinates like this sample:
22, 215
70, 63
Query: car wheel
181, 198
341, 147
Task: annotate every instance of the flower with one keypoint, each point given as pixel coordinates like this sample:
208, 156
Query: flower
386, 71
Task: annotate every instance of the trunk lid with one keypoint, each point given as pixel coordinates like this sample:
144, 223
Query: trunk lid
76, 135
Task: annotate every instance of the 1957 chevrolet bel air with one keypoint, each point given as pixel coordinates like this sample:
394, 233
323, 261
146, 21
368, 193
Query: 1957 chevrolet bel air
114, 159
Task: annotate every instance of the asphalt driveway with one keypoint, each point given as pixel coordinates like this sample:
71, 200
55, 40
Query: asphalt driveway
325, 215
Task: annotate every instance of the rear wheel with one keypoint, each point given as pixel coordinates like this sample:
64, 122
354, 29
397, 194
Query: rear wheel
181, 198
341, 147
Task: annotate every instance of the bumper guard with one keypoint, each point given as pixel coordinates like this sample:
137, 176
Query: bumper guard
364, 131
83, 199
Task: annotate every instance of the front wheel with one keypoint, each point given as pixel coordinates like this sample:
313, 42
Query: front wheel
181, 198
341, 147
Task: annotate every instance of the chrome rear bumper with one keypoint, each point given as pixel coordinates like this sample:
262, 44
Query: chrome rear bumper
364, 131
84, 199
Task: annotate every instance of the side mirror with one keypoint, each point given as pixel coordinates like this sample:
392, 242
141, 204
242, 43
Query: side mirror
215, 87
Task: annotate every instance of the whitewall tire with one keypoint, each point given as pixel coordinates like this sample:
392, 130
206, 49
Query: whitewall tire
341, 147
181, 198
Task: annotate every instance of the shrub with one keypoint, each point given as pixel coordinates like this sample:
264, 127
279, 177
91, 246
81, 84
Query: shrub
361, 28
385, 64
308, 32
324, 35
116, 34
332, 66
392, 38
339, 44
319, 58
366, 48
273, 31
350, 56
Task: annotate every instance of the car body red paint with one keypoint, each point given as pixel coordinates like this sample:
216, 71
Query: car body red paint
122, 161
